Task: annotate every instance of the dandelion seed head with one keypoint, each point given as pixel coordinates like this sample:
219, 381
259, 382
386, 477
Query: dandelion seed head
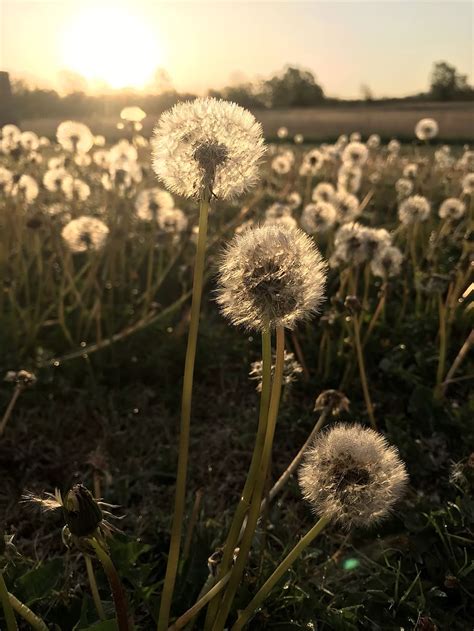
355, 154
132, 114
413, 209
312, 163
347, 206
394, 147
468, 184
323, 192
271, 276
74, 136
452, 209
29, 141
151, 202
207, 146
403, 187
318, 217
387, 262
352, 476
426, 129
291, 369
85, 233
349, 178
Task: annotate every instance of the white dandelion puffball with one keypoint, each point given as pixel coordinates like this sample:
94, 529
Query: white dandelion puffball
373, 141
323, 192
318, 218
468, 184
207, 146
53, 179
29, 141
355, 154
6, 177
426, 129
410, 170
132, 114
151, 202
74, 136
352, 476
452, 209
404, 187
75, 188
281, 164
25, 187
394, 147
349, 178
414, 208
172, 221
387, 262
11, 132
350, 244
313, 161
282, 133
347, 206
271, 276
85, 233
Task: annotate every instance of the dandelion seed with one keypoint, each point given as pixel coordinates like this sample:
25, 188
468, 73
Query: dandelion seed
352, 476
207, 147
85, 233
271, 276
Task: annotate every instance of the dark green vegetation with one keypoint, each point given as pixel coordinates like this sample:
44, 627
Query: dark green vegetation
112, 416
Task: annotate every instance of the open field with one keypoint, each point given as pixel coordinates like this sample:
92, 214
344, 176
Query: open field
456, 121
356, 259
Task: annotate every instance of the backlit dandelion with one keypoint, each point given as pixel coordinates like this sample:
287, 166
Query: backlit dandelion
387, 262
323, 192
468, 184
207, 147
75, 188
413, 209
355, 154
271, 276
347, 206
85, 233
74, 136
313, 162
352, 476
426, 129
25, 187
318, 217
452, 209
403, 187
349, 178
132, 114
151, 202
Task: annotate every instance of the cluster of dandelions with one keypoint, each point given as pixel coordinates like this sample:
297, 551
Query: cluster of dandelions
207, 147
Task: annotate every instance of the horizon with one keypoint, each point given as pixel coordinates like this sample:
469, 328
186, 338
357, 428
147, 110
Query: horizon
47, 48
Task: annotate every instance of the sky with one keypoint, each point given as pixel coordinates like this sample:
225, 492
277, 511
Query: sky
389, 45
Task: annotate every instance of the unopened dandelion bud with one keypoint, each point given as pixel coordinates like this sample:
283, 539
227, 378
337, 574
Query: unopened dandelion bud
82, 513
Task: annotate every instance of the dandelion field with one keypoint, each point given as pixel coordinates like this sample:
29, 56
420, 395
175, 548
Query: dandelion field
318, 298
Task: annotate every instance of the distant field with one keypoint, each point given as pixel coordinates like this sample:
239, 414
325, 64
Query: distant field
456, 121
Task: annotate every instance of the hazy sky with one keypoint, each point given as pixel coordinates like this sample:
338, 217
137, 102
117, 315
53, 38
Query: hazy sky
388, 45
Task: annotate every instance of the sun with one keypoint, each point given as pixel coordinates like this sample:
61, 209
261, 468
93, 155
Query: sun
111, 45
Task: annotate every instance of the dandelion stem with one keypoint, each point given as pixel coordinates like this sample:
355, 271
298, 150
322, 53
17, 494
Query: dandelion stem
93, 586
442, 344
363, 375
25, 612
7, 606
199, 604
458, 361
9, 410
120, 599
254, 511
180, 494
244, 503
270, 583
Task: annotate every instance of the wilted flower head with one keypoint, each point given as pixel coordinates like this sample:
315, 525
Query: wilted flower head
349, 178
313, 162
291, 370
271, 276
333, 400
468, 184
74, 136
387, 262
452, 209
355, 154
150, 202
347, 206
352, 476
426, 129
22, 378
85, 233
323, 192
413, 209
133, 114
319, 217
404, 187
207, 146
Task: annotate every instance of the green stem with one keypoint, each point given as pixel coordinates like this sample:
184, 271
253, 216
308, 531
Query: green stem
270, 583
199, 604
442, 344
25, 612
180, 494
363, 375
93, 586
120, 600
244, 503
7, 606
254, 511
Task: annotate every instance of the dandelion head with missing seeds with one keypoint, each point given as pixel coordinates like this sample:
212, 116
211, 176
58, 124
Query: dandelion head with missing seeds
271, 276
352, 476
85, 233
207, 147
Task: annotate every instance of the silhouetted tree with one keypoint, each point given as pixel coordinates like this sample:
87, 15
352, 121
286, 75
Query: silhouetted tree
447, 83
293, 88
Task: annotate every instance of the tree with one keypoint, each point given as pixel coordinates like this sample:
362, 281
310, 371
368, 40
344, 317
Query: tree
293, 88
447, 83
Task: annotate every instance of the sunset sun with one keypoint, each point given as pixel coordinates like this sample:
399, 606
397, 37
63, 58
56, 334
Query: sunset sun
111, 45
